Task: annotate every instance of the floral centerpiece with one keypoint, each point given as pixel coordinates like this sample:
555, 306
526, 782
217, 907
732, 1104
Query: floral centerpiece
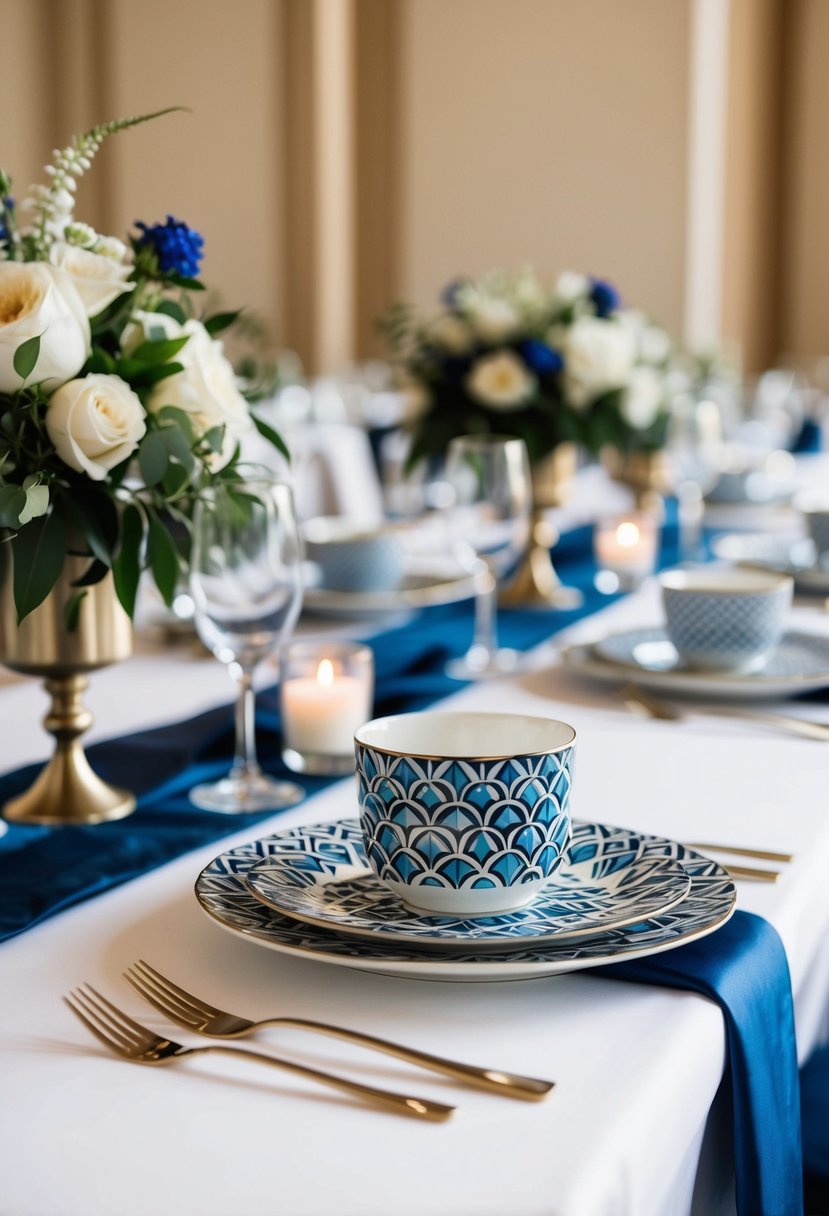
117, 404
507, 354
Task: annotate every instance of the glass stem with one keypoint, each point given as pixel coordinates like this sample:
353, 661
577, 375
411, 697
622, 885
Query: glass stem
690, 507
485, 640
244, 761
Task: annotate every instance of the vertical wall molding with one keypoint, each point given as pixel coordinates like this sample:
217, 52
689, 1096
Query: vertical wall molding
705, 216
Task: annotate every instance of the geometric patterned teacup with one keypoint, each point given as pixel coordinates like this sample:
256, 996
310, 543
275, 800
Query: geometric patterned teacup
464, 813
725, 620
354, 555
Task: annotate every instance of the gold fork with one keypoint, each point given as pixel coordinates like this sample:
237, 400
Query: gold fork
190, 1011
128, 1038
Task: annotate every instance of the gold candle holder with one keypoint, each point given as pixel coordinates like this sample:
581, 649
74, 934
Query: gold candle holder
67, 791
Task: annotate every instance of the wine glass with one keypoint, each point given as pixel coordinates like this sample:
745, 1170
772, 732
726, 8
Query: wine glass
697, 455
246, 582
489, 520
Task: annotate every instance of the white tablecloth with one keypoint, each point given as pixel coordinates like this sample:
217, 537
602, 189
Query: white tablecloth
634, 1126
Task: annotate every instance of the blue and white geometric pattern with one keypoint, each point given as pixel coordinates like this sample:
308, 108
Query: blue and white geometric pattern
719, 629
320, 875
798, 656
464, 824
224, 896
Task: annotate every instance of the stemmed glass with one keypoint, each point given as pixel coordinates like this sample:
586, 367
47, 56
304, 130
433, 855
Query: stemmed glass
246, 582
489, 521
695, 445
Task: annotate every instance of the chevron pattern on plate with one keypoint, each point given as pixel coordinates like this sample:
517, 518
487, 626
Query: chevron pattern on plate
224, 896
320, 875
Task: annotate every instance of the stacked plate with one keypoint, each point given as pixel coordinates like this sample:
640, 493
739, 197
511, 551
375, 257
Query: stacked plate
309, 892
799, 664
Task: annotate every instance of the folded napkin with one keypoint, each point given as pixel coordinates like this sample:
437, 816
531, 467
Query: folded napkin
743, 967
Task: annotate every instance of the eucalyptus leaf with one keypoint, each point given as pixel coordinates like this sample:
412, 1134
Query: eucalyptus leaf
12, 505
222, 320
26, 357
39, 551
153, 458
88, 524
172, 309
72, 611
272, 436
158, 350
126, 568
214, 438
93, 574
164, 561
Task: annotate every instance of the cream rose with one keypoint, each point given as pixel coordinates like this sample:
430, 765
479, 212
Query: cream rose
598, 357
39, 299
571, 286
95, 423
493, 319
642, 399
99, 280
451, 333
501, 381
205, 388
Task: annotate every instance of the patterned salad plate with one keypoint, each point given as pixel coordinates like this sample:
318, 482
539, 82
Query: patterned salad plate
799, 664
319, 875
223, 894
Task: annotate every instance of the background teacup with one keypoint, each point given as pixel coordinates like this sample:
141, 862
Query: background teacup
816, 515
466, 814
725, 619
353, 555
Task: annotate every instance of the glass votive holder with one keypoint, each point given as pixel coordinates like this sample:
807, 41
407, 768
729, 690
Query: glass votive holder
625, 550
326, 691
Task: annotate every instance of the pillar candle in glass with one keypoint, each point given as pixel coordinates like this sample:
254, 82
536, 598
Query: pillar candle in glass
625, 550
326, 692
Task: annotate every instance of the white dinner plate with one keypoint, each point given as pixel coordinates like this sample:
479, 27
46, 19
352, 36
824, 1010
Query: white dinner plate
223, 894
420, 589
800, 664
781, 554
319, 875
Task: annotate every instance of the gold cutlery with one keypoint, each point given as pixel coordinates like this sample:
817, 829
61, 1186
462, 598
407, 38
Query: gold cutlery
129, 1039
741, 851
653, 707
750, 874
190, 1011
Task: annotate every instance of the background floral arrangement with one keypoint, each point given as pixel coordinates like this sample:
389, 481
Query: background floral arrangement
507, 354
117, 404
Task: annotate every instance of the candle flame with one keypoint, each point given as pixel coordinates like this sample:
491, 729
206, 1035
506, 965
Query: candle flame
325, 673
627, 534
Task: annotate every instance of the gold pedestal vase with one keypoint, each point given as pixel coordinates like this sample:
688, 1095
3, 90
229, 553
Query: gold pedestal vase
536, 582
647, 474
67, 791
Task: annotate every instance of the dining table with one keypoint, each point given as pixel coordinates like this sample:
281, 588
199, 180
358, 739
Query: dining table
640, 1119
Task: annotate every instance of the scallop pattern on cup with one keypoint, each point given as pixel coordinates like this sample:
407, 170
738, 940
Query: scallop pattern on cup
465, 824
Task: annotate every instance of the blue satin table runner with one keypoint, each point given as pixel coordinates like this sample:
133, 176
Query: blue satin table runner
742, 966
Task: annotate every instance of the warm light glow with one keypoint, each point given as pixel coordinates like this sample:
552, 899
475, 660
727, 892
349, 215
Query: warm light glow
627, 534
325, 673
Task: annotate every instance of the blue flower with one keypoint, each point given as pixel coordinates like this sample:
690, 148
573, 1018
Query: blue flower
8, 205
178, 248
605, 297
540, 358
449, 295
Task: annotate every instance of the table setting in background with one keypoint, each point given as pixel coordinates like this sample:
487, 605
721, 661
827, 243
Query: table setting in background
449, 857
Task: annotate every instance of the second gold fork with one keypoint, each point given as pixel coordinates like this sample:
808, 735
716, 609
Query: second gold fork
190, 1011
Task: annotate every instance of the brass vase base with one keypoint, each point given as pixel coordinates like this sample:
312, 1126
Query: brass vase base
536, 583
67, 792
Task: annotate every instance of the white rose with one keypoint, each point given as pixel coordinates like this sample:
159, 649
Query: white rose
501, 381
571, 286
494, 319
145, 325
36, 298
95, 423
654, 345
598, 357
643, 397
205, 388
98, 279
451, 333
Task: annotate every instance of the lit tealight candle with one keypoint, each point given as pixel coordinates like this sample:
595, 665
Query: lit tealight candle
326, 693
625, 548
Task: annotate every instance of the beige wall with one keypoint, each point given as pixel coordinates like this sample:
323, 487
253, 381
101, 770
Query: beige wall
460, 135
551, 132
805, 269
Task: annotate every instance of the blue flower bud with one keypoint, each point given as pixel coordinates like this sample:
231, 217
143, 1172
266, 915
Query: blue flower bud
540, 358
177, 247
605, 297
